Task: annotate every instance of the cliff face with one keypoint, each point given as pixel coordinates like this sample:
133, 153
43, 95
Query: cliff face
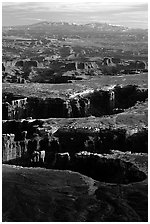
22, 71
17, 109
26, 137
50, 107
96, 103
113, 153
110, 66
12, 150
68, 153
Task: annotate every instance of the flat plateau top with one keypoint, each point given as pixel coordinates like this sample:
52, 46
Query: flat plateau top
42, 90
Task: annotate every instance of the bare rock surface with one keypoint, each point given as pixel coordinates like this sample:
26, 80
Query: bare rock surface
37, 194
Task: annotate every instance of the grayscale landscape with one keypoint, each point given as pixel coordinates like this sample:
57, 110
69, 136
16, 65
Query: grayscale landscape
75, 111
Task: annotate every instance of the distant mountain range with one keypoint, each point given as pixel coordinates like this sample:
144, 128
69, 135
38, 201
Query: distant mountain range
100, 35
65, 25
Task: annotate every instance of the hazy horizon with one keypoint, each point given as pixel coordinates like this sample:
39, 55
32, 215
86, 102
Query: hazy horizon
130, 14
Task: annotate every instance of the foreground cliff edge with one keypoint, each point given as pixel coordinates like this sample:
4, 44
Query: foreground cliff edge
37, 194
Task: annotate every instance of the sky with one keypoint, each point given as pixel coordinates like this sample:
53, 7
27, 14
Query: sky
133, 13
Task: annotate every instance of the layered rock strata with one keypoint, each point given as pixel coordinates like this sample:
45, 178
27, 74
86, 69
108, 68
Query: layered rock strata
93, 102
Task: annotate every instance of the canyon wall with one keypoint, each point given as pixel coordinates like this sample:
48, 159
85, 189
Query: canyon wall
96, 103
32, 137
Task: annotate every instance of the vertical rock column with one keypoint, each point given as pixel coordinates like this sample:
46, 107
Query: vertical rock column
111, 101
67, 109
76, 110
8, 147
7, 111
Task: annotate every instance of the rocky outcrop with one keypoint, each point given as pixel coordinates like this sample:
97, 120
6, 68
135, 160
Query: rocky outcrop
17, 109
102, 102
32, 71
127, 96
106, 169
44, 108
18, 127
41, 137
93, 102
41, 75
12, 150
70, 66
19, 148
6, 111
26, 63
102, 140
137, 140
63, 66
46, 153
136, 64
80, 65
80, 151
108, 67
113, 66
141, 65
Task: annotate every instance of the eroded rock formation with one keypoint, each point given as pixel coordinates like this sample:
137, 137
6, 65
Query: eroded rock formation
34, 135
16, 109
96, 102
27, 63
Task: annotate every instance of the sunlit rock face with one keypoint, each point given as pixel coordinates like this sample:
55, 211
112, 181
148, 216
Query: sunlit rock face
22, 138
93, 102
113, 66
108, 67
17, 109
67, 153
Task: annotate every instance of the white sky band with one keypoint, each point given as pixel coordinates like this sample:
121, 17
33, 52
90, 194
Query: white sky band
127, 13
